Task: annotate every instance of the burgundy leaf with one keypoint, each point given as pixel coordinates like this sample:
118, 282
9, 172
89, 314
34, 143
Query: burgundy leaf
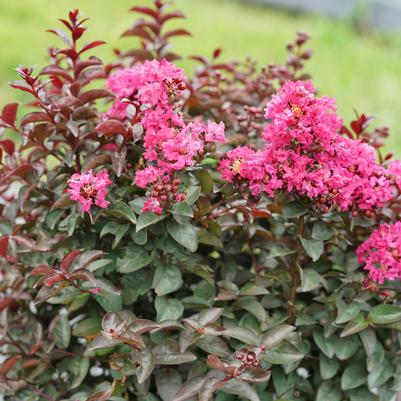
111, 127
9, 364
8, 145
92, 45
3, 246
34, 117
42, 270
57, 71
168, 16
55, 278
145, 10
9, 113
94, 94
68, 259
176, 32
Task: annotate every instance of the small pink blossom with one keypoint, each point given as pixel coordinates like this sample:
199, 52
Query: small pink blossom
381, 253
152, 205
89, 189
171, 144
305, 155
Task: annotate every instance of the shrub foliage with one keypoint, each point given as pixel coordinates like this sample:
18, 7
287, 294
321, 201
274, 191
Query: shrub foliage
166, 237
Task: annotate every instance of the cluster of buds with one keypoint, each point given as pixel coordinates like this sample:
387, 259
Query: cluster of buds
163, 194
249, 359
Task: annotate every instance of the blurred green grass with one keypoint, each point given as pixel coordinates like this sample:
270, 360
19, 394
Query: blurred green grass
363, 73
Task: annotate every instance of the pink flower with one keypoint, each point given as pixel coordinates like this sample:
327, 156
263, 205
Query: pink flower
89, 189
381, 253
152, 205
170, 143
215, 132
305, 155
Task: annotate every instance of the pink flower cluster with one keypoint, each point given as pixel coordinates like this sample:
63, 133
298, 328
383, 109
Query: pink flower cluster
89, 189
305, 155
170, 143
381, 253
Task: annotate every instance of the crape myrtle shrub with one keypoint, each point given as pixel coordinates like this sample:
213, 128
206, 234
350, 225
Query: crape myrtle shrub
172, 238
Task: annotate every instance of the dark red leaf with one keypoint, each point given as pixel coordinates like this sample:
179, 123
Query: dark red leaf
21, 85
8, 145
62, 35
137, 31
94, 94
9, 113
66, 101
58, 71
81, 65
111, 127
145, 10
176, 32
68, 259
9, 364
3, 246
168, 16
56, 278
92, 45
35, 117
42, 270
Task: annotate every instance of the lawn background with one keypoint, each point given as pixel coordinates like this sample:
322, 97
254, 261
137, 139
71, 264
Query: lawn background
362, 71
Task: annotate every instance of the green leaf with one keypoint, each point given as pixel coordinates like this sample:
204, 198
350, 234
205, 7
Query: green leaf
135, 285
346, 312
356, 325
184, 235
243, 334
310, 279
313, 248
206, 181
148, 219
328, 367
283, 354
62, 332
168, 309
87, 328
168, 381
384, 314
193, 195
353, 376
146, 362
168, 353
168, 278
121, 210
137, 204
252, 305
140, 238
182, 209
328, 391
325, 345
134, 259
294, 209
345, 348
362, 394
252, 289
79, 367
109, 298
116, 229
321, 231
276, 335
278, 251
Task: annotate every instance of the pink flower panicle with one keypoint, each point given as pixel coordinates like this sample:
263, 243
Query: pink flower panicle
170, 143
381, 254
89, 189
305, 155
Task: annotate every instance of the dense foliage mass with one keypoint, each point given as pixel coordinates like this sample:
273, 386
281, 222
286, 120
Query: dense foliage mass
171, 238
